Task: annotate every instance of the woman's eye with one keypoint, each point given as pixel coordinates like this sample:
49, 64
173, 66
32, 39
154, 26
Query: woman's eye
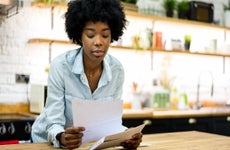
90, 36
105, 36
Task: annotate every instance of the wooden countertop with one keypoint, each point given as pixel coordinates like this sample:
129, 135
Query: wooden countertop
190, 140
150, 113
135, 114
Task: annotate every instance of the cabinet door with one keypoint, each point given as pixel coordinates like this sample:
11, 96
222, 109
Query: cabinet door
204, 124
152, 125
16, 130
222, 125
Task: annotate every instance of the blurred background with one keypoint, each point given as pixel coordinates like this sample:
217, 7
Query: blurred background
32, 33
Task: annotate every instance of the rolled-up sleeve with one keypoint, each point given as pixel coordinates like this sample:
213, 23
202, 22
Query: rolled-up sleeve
56, 103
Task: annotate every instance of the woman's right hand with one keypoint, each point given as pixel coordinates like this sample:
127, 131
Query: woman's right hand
72, 137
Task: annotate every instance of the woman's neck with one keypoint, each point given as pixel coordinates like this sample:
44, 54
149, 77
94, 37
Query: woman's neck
93, 73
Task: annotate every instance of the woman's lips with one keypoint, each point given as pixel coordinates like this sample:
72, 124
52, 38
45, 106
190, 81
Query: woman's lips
98, 53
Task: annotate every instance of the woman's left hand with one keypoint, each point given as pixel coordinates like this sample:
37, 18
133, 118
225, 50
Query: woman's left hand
133, 143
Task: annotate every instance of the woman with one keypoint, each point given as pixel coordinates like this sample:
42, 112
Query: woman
86, 73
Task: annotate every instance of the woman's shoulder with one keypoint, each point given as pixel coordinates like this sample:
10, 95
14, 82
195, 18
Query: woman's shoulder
65, 57
113, 62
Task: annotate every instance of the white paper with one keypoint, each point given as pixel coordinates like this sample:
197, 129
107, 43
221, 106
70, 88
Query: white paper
116, 139
99, 117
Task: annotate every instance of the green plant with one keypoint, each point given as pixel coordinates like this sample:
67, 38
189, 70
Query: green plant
182, 6
187, 41
49, 2
169, 5
227, 7
187, 38
130, 1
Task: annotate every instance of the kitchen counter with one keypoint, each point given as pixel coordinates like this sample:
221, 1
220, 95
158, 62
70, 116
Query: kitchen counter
169, 141
150, 113
135, 114
207, 119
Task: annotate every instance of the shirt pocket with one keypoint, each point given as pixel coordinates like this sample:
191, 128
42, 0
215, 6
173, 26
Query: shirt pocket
107, 97
68, 110
69, 98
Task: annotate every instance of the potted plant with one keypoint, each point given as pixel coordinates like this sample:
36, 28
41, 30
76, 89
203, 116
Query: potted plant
169, 6
182, 8
187, 41
130, 1
130, 5
227, 14
48, 2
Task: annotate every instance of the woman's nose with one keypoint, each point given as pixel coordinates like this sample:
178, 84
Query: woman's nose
98, 40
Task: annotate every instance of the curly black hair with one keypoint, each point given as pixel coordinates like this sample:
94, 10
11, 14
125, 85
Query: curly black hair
80, 12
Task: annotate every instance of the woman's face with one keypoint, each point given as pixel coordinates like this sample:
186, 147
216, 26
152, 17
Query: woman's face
96, 38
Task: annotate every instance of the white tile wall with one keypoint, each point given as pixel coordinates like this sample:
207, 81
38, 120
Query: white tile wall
18, 56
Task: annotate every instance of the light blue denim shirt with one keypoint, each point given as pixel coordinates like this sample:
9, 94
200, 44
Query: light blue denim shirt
67, 82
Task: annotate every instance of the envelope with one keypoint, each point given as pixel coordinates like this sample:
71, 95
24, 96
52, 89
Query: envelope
116, 139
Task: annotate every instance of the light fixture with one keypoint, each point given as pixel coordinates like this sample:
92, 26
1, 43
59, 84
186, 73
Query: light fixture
9, 8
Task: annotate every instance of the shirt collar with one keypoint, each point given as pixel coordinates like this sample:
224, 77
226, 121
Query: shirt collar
78, 62
79, 69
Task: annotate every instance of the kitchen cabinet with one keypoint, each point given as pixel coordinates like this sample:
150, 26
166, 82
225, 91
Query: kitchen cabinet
222, 125
204, 124
217, 122
152, 125
15, 127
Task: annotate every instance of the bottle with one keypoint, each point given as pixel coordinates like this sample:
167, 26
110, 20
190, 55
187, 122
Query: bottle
183, 101
174, 99
136, 97
160, 97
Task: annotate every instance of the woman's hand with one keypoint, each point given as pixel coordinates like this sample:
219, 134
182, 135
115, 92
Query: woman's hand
72, 137
133, 143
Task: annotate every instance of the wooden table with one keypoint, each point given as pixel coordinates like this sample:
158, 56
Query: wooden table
191, 140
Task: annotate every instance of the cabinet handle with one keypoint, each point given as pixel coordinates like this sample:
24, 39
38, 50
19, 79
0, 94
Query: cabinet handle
28, 128
2, 129
11, 129
228, 118
147, 122
192, 121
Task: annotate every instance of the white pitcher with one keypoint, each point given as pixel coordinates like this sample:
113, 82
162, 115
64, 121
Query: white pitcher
227, 18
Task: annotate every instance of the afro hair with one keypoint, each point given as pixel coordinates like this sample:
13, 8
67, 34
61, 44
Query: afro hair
80, 12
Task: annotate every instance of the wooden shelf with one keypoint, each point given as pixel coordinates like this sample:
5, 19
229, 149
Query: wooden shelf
44, 5
129, 12
175, 20
43, 40
132, 10
175, 51
194, 53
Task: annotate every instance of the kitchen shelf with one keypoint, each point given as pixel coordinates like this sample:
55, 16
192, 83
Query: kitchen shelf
44, 40
175, 20
175, 51
54, 4
132, 10
189, 23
